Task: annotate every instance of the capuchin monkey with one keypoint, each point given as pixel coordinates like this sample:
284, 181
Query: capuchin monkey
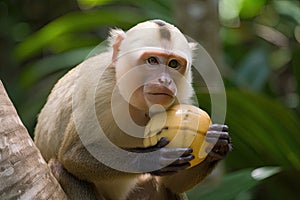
146, 69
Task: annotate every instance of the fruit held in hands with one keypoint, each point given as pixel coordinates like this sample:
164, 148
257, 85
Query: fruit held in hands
184, 125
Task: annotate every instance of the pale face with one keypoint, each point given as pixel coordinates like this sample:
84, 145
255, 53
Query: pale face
153, 80
156, 63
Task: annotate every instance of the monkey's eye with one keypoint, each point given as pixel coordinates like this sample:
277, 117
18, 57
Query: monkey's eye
174, 64
152, 61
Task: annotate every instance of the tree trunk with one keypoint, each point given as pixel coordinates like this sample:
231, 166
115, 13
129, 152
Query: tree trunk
199, 19
23, 172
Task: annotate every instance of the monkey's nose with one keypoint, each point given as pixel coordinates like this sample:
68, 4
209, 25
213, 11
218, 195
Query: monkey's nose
165, 81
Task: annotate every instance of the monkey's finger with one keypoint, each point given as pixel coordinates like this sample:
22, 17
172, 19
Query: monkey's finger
187, 152
218, 141
175, 152
217, 135
212, 140
218, 138
218, 127
219, 151
162, 142
177, 161
183, 160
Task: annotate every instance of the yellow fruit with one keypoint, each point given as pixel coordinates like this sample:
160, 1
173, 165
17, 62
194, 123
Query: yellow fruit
184, 125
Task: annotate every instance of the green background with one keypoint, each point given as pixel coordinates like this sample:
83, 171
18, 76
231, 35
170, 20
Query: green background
42, 40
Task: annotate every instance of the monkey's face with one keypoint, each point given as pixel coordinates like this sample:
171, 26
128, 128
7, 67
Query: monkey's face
153, 65
161, 88
154, 80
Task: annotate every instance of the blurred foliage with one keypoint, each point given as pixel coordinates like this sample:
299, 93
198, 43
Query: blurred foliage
234, 184
42, 40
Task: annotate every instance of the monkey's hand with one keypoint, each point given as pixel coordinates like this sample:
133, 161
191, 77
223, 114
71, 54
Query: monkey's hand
218, 136
178, 157
220, 144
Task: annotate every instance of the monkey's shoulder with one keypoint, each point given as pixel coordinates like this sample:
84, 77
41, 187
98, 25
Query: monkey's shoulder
82, 75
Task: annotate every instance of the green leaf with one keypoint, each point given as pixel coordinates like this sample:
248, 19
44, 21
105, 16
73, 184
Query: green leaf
289, 8
87, 4
159, 9
296, 70
46, 66
232, 184
263, 131
253, 70
74, 22
66, 42
251, 8
156, 8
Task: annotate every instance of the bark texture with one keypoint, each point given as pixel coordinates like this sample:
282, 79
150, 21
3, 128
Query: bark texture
23, 172
199, 19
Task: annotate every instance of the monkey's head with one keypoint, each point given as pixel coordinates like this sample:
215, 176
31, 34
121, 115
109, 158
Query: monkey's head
154, 60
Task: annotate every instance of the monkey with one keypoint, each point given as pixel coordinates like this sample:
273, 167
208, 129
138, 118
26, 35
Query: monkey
145, 70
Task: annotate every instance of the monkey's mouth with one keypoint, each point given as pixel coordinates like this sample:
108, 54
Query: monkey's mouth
161, 94
164, 98
158, 90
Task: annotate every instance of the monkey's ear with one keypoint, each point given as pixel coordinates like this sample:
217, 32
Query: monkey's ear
115, 39
193, 45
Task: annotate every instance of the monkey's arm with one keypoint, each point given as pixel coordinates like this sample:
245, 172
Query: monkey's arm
74, 188
78, 161
186, 179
